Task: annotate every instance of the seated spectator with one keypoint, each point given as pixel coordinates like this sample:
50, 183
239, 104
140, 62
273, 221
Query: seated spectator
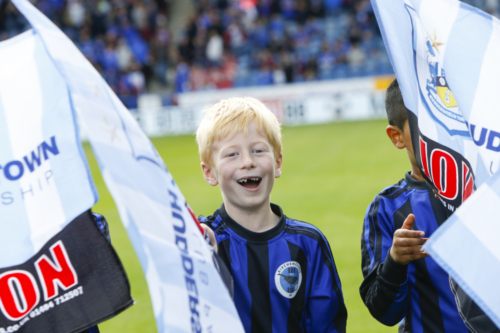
215, 48
355, 56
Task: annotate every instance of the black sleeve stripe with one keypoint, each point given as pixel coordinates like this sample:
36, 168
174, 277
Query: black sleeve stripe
326, 255
365, 256
366, 262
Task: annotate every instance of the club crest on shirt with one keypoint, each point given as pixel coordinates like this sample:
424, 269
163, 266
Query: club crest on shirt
288, 278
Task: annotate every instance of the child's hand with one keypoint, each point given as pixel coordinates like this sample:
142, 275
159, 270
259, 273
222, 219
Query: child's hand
211, 235
407, 243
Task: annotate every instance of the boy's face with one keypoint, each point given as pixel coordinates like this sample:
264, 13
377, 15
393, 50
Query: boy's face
245, 168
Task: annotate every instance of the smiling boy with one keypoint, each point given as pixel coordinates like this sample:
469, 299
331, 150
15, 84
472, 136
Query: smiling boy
285, 279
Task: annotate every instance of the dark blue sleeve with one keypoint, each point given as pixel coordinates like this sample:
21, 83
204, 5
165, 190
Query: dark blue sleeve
326, 311
385, 286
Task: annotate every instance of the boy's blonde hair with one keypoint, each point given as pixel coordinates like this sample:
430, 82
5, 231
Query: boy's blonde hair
234, 115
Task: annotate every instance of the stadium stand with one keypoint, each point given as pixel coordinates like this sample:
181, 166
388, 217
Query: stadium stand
225, 43
267, 42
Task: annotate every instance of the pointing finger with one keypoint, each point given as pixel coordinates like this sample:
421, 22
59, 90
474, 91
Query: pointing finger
408, 222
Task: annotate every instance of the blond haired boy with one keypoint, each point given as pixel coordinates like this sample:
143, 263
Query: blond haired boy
285, 279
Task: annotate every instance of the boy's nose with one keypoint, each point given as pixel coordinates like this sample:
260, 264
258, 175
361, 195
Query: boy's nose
247, 161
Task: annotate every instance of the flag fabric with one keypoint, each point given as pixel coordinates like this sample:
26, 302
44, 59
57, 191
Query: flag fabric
446, 58
186, 290
467, 247
72, 283
57, 271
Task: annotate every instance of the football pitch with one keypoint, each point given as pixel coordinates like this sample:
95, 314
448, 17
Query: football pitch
330, 175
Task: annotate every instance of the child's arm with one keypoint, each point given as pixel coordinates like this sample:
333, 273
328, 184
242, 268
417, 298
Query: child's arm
385, 286
326, 311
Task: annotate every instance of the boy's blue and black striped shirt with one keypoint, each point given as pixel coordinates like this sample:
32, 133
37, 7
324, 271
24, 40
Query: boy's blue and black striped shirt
285, 279
417, 295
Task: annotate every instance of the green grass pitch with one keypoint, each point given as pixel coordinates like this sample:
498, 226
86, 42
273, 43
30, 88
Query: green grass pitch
330, 175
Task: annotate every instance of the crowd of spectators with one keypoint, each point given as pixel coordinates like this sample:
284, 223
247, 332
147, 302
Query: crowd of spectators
249, 42
261, 42
225, 43
127, 41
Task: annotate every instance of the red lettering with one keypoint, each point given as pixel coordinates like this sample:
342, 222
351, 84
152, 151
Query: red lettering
423, 157
445, 179
58, 272
18, 294
468, 182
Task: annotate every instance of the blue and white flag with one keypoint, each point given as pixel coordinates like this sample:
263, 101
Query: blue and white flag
50, 278
186, 290
446, 56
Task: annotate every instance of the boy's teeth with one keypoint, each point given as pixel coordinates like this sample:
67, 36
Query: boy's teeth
245, 180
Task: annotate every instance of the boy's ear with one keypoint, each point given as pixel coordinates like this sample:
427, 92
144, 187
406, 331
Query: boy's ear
279, 163
396, 135
208, 174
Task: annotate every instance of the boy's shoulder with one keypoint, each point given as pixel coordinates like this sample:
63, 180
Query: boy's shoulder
406, 185
303, 228
394, 197
212, 220
391, 198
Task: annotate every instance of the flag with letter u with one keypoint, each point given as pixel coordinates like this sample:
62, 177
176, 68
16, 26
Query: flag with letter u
446, 56
55, 85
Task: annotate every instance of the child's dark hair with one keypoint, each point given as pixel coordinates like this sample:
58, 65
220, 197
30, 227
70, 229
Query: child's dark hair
394, 106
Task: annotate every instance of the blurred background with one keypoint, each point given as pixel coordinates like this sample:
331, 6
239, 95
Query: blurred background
319, 65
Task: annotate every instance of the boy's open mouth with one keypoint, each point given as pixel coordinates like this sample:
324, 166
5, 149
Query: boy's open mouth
250, 182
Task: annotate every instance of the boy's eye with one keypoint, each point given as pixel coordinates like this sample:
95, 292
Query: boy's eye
231, 154
258, 150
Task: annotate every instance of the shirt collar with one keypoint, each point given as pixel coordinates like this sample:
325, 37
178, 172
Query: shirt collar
416, 184
251, 235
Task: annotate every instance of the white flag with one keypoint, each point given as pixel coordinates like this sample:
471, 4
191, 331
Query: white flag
39, 139
187, 292
50, 278
446, 56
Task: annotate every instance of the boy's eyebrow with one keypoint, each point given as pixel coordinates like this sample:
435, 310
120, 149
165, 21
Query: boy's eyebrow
223, 149
262, 141
226, 148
